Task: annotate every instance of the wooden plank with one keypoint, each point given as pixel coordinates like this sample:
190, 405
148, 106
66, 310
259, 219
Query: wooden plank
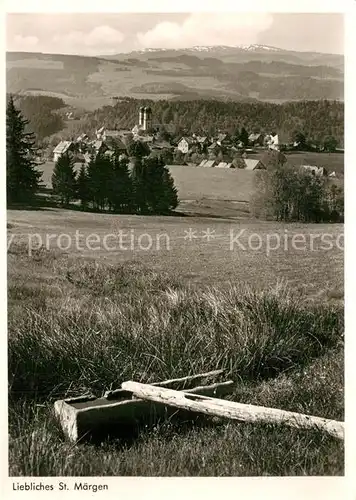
177, 384
79, 418
233, 410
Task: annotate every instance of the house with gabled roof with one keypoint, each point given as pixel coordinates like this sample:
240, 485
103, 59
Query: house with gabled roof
82, 137
272, 141
99, 146
256, 139
115, 142
315, 170
224, 164
100, 133
202, 142
161, 145
210, 163
222, 139
185, 144
62, 148
251, 164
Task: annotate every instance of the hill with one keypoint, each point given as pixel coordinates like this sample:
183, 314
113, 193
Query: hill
223, 73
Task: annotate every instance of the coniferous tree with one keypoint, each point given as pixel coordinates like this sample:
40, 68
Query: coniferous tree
22, 178
122, 189
244, 137
138, 149
100, 181
161, 192
83, 186
64, 182
140, 185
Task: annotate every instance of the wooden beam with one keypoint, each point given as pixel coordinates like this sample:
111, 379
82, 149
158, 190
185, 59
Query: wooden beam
177, 384
233, 410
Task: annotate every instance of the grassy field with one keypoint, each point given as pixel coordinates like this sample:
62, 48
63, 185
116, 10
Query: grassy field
220, 260
199, 186
88, 319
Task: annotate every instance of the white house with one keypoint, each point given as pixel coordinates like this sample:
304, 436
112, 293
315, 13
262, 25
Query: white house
224, 164
61, 148
315, 170
184, 144
272, 142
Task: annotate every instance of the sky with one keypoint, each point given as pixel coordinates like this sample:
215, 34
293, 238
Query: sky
105, 34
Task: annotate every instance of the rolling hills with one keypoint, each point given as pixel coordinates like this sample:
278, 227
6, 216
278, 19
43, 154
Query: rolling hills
223, 73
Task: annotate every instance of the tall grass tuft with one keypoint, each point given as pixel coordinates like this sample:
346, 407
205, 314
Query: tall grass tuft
132, 324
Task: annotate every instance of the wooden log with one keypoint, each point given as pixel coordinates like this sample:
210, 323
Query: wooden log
233, 410
177, 384
85, 416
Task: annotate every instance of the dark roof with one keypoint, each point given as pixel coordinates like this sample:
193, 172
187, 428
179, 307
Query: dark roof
188, 139
115, 142
162, 145
273, 157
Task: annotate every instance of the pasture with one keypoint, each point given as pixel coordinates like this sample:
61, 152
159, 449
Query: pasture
164, 244
86, 317
195, 183
216, 192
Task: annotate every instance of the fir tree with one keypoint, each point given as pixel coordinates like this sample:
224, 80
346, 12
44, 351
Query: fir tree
161, 192
121, 189
83, 186
64, 179
140, 185
244, 137
100, 182
21, 175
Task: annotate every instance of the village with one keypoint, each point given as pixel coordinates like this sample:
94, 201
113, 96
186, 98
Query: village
219, 151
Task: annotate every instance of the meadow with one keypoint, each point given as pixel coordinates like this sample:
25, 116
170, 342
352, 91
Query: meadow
88, 317
231, 185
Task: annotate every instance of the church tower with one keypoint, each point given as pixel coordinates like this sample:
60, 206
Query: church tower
147, 118
141, 115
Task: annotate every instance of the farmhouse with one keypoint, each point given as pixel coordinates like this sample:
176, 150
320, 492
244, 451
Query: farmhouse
255, 139
224, 164
185, 144
253, 164
82, 138
315, 170
272, 142
115, 142
99, 146
209, 163
161, 146
272, 157
202, 143
62, 148
100, 133
121, 134
223, 139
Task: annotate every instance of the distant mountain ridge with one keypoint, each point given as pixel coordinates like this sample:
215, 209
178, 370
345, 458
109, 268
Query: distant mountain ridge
213, 48
240, 73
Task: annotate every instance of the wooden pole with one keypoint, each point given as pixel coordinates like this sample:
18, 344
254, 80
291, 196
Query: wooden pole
233, 410
177, 384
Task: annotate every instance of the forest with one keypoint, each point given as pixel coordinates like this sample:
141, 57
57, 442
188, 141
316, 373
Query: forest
315, 119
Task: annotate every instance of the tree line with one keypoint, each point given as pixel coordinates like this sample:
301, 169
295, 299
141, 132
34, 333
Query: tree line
111, 183
317, 120
289, 193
